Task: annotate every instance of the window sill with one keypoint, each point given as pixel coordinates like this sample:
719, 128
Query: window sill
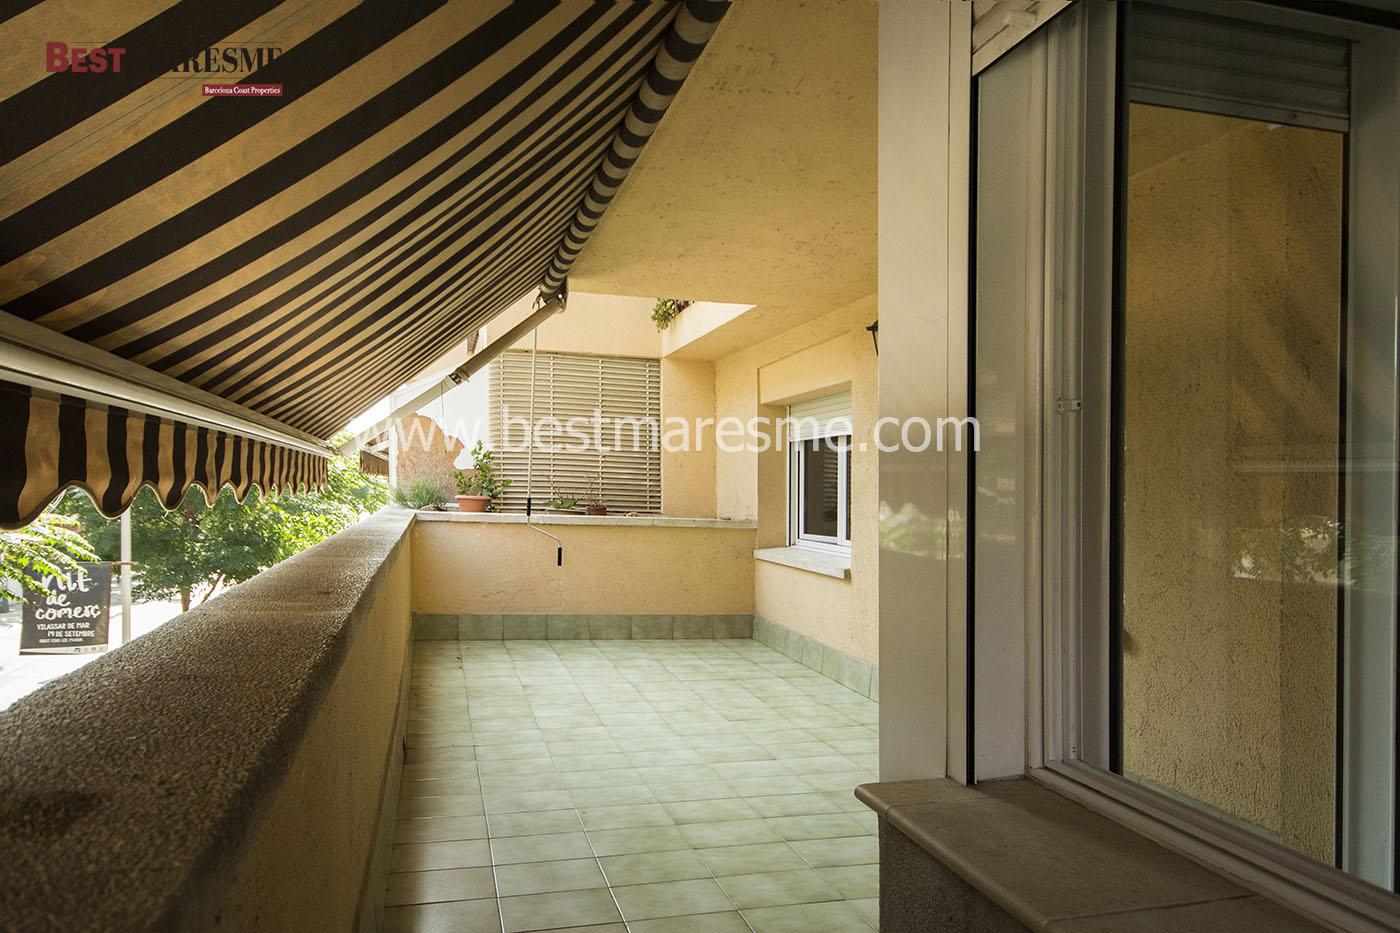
1051, 863
1308, 887
1047, 849
809, 559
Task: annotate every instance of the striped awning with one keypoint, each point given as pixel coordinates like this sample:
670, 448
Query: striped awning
409, 171
112, 452
372, 464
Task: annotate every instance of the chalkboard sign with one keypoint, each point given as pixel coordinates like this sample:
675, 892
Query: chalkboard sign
67, 614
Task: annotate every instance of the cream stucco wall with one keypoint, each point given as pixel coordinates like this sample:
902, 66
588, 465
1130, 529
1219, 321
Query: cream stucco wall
591, 323
307, 866
759, 186
467, 566
688, 476
737, 391
616, 325
831, 353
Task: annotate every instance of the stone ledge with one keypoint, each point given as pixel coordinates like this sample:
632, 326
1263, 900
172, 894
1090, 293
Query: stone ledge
621, 521
131, 789
809, 559
1040, 861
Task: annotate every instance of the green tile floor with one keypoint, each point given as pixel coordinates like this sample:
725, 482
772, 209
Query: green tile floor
643, 786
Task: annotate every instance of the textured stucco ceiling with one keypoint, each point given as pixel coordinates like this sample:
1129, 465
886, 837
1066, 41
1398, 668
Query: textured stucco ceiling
759, 185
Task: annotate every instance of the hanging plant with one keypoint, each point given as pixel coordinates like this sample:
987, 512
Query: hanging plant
665, 311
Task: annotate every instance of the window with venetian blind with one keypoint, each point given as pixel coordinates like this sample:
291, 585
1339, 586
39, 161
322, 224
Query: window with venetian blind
598, 422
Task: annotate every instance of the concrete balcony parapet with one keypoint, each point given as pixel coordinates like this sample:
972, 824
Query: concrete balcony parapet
225, 770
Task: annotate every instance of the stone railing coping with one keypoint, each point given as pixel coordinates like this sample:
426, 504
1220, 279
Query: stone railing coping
626, 521
130, 789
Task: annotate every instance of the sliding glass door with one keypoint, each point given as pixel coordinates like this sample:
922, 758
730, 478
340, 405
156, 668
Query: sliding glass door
1184, 357
1256, 447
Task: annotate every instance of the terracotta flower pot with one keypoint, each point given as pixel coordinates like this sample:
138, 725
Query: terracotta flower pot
597, 510
472, 503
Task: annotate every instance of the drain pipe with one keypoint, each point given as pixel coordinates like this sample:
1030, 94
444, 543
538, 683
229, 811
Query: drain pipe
530, 454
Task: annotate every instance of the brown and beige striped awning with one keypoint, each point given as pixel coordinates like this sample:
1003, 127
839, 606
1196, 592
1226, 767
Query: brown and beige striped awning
112, 452
406, 171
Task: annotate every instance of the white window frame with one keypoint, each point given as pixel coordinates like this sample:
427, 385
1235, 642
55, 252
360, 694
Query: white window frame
837, 432
1067, 650
798, 534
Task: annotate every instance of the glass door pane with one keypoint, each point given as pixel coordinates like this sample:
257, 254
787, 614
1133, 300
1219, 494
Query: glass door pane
819, 488
1234, 552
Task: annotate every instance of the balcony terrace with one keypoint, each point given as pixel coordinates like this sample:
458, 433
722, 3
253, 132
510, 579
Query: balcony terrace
437, 721
296, 728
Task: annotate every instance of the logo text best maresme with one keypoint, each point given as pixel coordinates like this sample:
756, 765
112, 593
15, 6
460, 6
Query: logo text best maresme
217, 60
58, 56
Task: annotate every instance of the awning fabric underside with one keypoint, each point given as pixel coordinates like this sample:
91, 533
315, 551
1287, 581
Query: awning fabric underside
425, 165
112, 452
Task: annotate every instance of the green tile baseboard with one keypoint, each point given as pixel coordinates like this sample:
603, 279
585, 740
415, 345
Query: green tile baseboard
494, 626
853, 673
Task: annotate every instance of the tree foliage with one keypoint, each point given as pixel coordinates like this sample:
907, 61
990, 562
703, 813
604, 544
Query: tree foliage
51, 544
194, 549
306, 519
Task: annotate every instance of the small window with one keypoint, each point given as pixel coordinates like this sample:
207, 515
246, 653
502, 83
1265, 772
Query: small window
819, 461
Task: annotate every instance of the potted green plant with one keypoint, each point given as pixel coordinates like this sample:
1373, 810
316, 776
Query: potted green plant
477, 489
665, 311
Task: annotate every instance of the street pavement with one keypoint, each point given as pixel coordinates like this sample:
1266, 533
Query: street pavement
21, 675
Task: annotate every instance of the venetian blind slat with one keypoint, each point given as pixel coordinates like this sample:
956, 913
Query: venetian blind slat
618, 456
